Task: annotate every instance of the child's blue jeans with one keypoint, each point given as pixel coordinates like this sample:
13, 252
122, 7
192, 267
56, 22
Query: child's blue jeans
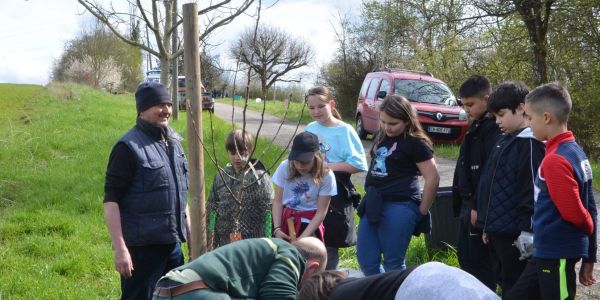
390, 237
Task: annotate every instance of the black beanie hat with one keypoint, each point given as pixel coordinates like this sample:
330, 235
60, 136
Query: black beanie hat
149, 94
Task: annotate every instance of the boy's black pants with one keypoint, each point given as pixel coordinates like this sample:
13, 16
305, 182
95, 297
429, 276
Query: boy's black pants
505, 256
474, 255
547, 279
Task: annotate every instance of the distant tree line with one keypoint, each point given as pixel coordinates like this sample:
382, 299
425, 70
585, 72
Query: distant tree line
98, 58
535, 41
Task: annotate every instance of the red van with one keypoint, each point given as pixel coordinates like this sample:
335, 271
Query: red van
439, 113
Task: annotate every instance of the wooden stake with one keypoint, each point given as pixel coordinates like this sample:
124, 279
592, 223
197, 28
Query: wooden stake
194, 128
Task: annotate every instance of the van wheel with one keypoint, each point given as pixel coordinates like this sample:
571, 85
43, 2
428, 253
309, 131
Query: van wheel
360, 128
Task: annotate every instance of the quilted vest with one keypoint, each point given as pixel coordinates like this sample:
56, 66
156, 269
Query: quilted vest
153, 209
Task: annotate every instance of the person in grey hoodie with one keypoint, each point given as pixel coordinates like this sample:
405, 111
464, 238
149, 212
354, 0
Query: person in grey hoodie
432, 280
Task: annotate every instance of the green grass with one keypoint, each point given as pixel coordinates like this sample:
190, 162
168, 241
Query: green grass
53, 153
276, 108
446, 151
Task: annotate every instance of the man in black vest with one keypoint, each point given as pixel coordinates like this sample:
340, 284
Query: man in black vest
145, 201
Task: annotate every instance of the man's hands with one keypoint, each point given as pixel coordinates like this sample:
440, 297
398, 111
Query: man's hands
586, 275
123, 263
525, 244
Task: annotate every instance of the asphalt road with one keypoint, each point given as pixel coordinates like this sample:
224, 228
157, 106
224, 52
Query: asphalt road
282, 133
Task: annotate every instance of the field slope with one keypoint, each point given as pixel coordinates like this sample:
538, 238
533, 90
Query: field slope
54, 148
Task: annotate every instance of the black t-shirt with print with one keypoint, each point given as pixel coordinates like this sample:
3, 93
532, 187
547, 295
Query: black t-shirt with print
394, 167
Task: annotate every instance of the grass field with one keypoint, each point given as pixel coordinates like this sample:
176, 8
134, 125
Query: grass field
54, 148
53, 154
297, 111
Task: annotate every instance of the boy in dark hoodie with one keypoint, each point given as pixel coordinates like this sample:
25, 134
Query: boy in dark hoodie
505, 194
473, 254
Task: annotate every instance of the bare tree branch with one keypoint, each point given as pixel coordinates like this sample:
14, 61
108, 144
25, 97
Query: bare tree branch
274, 54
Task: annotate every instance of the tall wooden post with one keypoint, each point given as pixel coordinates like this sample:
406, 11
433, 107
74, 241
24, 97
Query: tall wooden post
194, 128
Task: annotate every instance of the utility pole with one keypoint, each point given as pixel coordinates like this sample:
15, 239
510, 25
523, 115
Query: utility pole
175, 67
194, 129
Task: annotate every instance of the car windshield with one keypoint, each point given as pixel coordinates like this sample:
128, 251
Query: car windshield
424, 91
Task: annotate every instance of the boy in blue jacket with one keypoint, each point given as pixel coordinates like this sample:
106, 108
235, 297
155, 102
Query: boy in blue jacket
564, 218
505, 194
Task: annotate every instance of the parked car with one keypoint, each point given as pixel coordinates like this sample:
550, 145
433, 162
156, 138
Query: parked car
438, 110
208, 102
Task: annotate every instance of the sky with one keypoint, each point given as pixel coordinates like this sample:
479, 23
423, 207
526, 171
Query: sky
33, 33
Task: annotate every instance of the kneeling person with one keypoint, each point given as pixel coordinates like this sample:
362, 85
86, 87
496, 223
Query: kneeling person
262, 268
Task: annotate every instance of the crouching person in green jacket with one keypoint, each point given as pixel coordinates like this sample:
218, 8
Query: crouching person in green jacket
262, 268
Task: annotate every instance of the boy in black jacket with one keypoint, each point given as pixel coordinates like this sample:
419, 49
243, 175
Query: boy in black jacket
505, 194
473, 254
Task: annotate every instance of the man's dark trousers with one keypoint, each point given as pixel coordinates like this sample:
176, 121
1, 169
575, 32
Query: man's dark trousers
150, 263
474, 255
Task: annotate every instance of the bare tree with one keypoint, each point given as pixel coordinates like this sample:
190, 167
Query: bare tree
159, 19
535, 15
273, 55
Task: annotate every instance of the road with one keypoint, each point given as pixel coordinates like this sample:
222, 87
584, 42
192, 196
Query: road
285, 131
271, 128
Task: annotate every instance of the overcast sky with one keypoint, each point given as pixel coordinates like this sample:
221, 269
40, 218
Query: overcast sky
33, 32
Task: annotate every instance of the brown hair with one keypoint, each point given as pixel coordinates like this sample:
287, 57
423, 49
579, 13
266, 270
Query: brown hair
239, 141
398, 107
327, 97
552, 97
317, 172
319, 286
